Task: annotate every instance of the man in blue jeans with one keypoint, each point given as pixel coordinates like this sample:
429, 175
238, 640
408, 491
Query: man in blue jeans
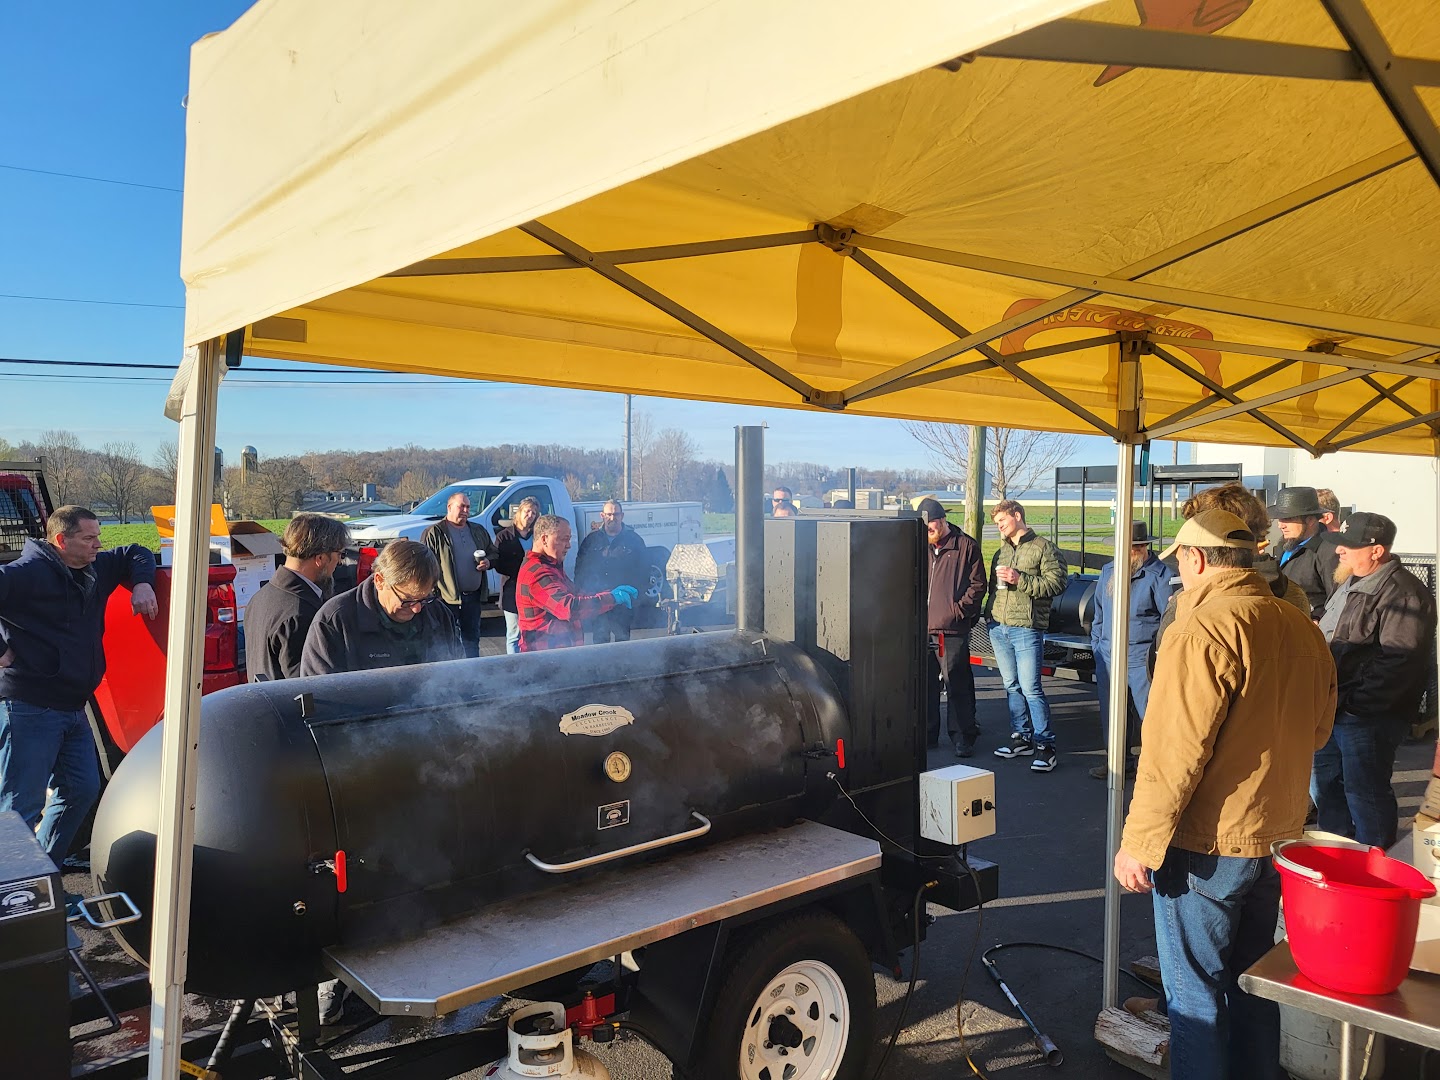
1243, 694
1026, 573
52, 616
1380, 624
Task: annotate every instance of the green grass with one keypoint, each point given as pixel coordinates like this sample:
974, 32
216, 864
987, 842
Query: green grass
148, 536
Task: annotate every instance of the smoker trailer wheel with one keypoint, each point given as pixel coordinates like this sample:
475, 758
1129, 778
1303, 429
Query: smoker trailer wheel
795, 1003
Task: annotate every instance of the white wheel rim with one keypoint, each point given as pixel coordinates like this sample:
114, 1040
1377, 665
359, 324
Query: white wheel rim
798, 1027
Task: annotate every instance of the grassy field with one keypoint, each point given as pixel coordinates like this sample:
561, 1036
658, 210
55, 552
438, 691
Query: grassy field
148, 536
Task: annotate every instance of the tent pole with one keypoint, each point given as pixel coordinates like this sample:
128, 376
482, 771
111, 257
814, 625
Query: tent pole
1128, 415
170, 934
1116, 748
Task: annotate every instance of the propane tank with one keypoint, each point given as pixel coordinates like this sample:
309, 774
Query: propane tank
541, 1045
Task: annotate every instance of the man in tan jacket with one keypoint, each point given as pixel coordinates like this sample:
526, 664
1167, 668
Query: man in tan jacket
1244, 693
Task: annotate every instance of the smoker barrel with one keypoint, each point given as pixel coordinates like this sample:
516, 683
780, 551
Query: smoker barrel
1073, 610
436, 781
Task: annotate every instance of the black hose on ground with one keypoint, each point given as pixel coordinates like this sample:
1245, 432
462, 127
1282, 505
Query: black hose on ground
914, 975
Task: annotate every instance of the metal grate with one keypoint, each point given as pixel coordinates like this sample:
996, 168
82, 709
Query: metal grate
24, 506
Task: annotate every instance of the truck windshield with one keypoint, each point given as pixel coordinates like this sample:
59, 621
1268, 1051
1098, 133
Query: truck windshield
481, 496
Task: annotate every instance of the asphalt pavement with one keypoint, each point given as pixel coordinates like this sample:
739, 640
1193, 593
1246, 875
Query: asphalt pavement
1050, 846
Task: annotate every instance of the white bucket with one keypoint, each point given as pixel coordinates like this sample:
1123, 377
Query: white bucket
1310, 1048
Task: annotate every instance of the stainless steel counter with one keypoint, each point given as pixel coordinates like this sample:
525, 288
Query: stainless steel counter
521, 941
1411, 1013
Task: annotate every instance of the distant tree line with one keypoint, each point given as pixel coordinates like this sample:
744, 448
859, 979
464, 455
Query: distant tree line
118, 482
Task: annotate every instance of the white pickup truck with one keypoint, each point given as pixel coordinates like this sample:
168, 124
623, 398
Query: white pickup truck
493, 499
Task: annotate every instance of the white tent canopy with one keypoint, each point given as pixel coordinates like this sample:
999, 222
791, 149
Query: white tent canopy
1221, 223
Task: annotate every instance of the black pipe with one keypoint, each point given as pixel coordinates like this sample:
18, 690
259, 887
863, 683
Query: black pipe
850, 487
225, 1045
750, 528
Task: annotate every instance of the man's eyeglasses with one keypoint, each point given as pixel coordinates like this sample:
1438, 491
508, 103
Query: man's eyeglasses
616, 514
412, 601
779, 498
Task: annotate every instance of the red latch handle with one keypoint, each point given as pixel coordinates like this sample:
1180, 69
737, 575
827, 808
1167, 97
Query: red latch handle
341, 880
840, 752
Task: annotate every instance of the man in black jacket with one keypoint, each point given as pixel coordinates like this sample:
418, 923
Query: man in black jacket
512, 544
1308, 555
52, 620
279, 616
957, 587
1381, 627
611, 556
391, 619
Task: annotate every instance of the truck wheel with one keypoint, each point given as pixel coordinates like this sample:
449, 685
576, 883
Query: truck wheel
796, 1003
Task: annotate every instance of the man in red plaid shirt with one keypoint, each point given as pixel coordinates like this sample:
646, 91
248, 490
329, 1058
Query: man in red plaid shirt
551, 611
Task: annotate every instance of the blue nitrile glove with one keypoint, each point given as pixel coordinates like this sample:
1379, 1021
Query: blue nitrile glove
625, 594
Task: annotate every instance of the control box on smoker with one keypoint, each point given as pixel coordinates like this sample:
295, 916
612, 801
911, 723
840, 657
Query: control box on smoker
957, 805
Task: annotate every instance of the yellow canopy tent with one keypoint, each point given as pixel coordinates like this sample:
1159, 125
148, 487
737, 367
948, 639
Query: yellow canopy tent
1149, 219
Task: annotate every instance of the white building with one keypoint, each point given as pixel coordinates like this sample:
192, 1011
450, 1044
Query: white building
1401, 488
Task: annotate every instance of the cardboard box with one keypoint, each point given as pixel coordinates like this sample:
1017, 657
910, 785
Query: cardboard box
251, 548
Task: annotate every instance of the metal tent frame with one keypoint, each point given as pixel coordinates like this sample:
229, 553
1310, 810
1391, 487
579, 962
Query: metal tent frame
1368, 59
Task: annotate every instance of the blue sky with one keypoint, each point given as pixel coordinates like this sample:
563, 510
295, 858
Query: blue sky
96, 90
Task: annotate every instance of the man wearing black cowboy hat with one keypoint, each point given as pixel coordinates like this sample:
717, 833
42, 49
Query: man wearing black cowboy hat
1381, 628
1308, 555
1150, 588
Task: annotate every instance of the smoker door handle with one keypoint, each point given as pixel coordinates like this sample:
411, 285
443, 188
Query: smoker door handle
634, 849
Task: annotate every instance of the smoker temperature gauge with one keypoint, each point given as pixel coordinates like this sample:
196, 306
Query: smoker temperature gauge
617, 767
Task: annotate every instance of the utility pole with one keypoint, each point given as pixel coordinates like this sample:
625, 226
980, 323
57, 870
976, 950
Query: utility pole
628, 402
975, 483
1174, 486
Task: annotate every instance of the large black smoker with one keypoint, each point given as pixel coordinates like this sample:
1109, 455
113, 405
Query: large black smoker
719, 808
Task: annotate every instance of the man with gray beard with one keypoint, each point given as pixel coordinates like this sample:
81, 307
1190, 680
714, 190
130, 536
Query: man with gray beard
1150, 588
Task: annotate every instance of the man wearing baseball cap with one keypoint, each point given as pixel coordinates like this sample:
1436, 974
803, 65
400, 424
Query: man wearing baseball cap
956, 589
1244, 693
1381, 628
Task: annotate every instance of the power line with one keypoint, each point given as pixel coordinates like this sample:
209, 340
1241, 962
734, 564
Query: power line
232, 380
93, 179
172, 367
81, 300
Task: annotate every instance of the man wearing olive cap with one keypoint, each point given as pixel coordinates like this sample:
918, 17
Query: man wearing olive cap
1244, 693
1381, 627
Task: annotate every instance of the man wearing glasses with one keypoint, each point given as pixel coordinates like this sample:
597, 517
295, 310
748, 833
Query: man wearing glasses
390, 619
279, 617
782, 503
1380, 624
610, 556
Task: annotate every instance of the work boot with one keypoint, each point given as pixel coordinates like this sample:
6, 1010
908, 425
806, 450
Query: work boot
332, 995
1099, 772
1139, 1006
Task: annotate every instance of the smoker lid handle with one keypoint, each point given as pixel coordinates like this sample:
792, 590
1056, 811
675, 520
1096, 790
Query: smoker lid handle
634, 849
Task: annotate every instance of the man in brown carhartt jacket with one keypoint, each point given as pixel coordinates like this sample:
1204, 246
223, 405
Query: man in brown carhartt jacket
1244, 693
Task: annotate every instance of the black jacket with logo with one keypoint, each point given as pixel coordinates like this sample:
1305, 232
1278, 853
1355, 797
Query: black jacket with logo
348, 634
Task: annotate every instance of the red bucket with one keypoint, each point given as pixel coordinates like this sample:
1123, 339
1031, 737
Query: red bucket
1350, 913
